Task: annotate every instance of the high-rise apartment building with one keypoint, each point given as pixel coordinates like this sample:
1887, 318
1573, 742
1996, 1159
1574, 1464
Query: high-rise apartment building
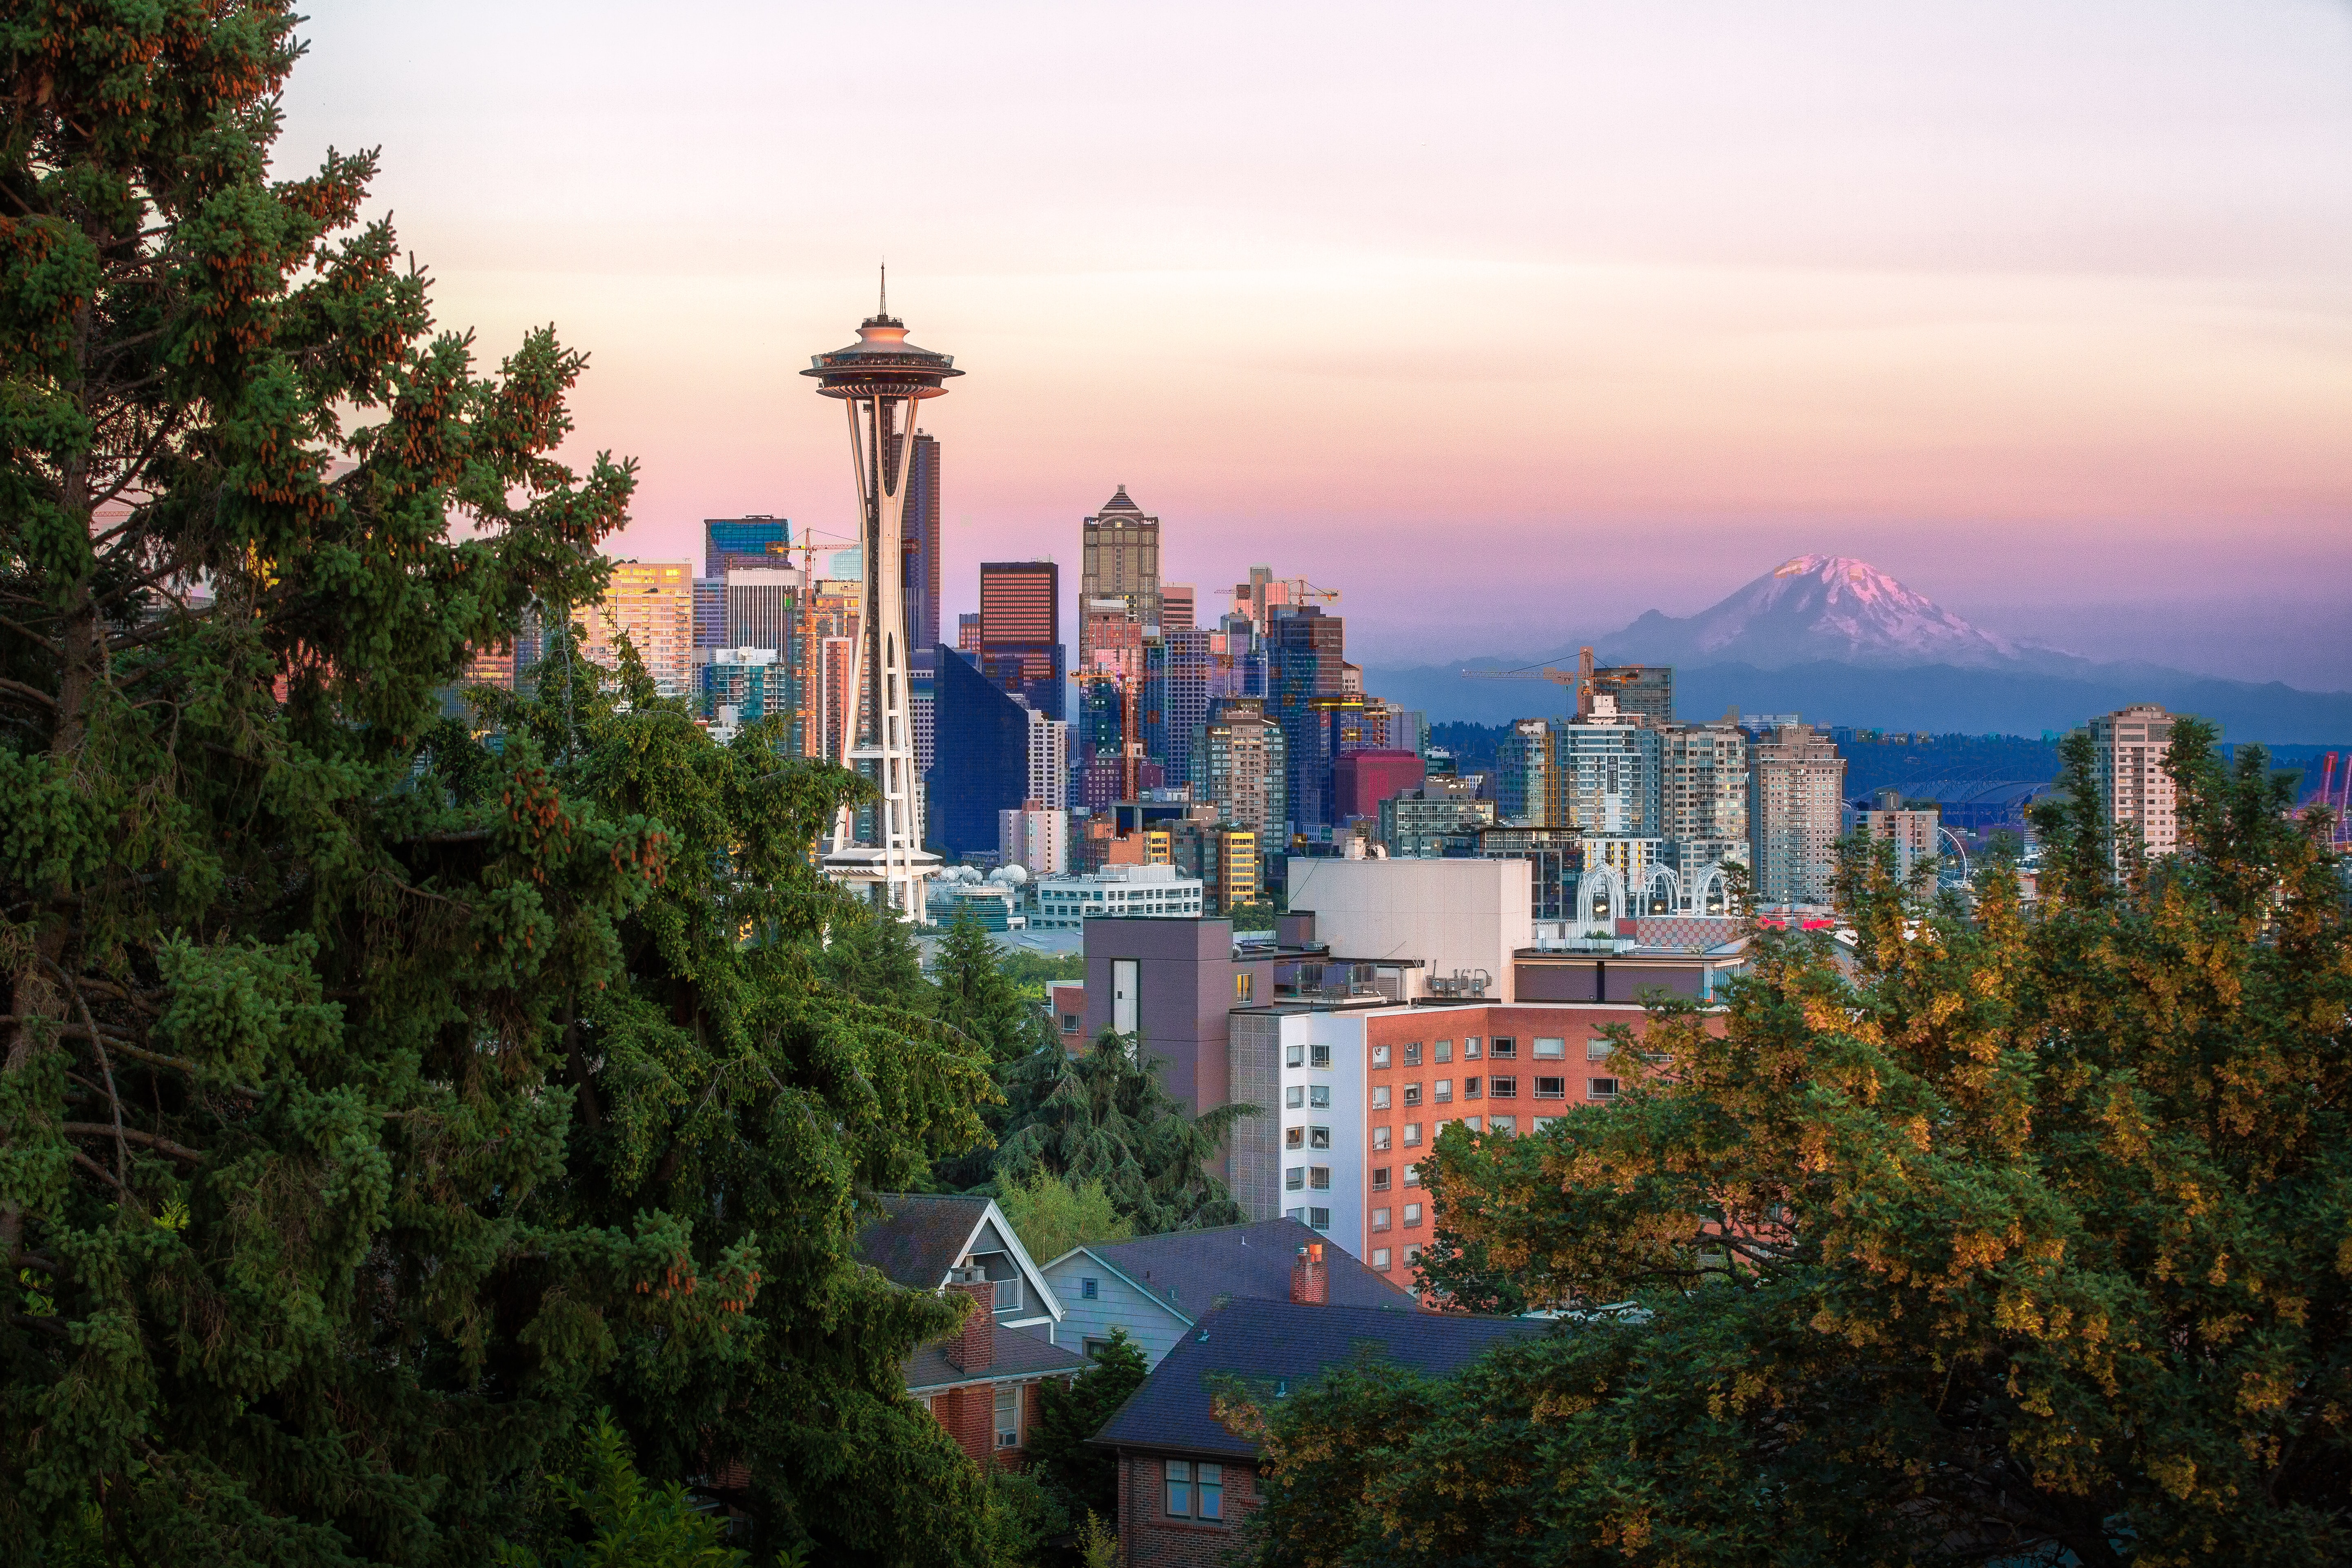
1703, 782
1796, 804
653, 603
1120, 560
763, 608
1035, 838
1049, 762
710, 612
920, 536
1020, 631
2138, 795
1240, 766
1605, 776
1112, 640
741, 685
1914, 830
1524, 793
1643, 692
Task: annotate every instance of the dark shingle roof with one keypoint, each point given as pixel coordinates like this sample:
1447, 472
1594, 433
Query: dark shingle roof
916, 1238
1017, 1355
1284, 1340
1246, 1262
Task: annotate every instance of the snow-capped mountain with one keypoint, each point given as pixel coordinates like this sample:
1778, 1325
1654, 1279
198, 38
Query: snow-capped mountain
1813, 608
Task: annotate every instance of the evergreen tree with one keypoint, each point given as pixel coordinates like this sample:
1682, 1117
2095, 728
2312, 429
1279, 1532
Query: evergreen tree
376, 1101
2023, 1242
1104, 1117
1082, 1477
972, 994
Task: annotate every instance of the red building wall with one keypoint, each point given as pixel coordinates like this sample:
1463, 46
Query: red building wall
1150, 1538
1364, 779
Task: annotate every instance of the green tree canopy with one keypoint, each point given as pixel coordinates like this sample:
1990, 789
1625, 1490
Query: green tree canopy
2027, 1240
378, 1097
1053, 1215
1082, 1477
973, 995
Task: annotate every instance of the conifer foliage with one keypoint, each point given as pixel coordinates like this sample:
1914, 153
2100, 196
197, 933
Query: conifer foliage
2026, 1239
376, 1100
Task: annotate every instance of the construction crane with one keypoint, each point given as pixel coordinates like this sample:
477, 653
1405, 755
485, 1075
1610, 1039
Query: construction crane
1578, 682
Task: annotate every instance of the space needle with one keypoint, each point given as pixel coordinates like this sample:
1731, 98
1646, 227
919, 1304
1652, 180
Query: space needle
880, 378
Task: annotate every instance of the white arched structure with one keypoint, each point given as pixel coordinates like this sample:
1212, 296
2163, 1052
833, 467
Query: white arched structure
1710, 891
1659, 894
1600, 899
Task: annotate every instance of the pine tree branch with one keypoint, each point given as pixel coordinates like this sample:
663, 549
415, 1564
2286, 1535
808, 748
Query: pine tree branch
161, 1145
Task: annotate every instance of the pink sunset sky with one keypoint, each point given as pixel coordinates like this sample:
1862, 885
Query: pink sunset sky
1507, 322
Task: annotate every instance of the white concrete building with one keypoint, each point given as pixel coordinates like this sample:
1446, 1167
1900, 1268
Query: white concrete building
1036, 837
1068, 902
1462, 919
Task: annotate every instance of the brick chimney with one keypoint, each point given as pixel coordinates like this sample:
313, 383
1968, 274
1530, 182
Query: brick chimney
1310, 1279
974, 1349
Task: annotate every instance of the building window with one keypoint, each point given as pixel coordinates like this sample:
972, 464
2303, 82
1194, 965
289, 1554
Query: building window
1180, 1489
1380, 1219
1244, 985
1549, 1046
1470, 1049
1411, 1216
1294, 1097
1319, 1177
1551, 1088
1505, 1048
1601, 1089
1319, 1219
1069, 1022
1381, 1259
1469, 1088
1008, 1416
1380, 1139
1412, 1255
1380, 1178
1538, 1124
1381, 1096
1502, 1088
1411, 1134
1321, 1055
1294, 1180
1412, 1055
1471, 1123
1444, 1051
1380, 1055
1209, 1491
1412, 1176
1319, 1138
1445, 1090
1413, 1094
1294, 1056
1294, 1136
1093, 1348
1088, 1290
1318, 1098
1598, 1050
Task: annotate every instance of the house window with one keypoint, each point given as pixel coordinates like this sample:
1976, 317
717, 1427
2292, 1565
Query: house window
1319, 1177
1008, 1416
1412, 1055
1445, 1090
1381, 1098
1318, 1098
1244, 985
1413, 1094
1088, 1290
1444, 1051
1180, 1489
1294, 1097
1380, 1139
1502, 1088
1380, 1219
1069, 1022
1381, 1257
1320, 1219
1598, 1050
1551, 1088
1319, 1138
1294, 1180
1505, 1046
1210, 1491
1380, 1178
1411, 1216
1094, 1348
1380, 1055
1293, 1056
1294, 1136
1601, 1089
1549, 1046
1469, 1088
1470, 1049
1320, 1056
1411, 1134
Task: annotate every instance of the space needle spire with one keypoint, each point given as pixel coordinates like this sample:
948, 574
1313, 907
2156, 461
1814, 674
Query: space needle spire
880, 378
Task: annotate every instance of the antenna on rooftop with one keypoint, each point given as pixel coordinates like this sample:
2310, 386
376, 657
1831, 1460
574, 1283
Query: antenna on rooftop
885, 287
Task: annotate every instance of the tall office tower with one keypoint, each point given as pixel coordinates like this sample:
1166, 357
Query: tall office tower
880, 381
1120, 560
1605, 776
1112, 640
1703, 782
1524, 795
1408, 728
1304, 653
1240, 765
1796, 801
1185, 671
740, 686
982, 764
1645, 692
968, 633
2140, 800
763, 608
742, 542
1021, 631
1049, 762
491, 664
1176, 607
921, 544
652, 602
710, 612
